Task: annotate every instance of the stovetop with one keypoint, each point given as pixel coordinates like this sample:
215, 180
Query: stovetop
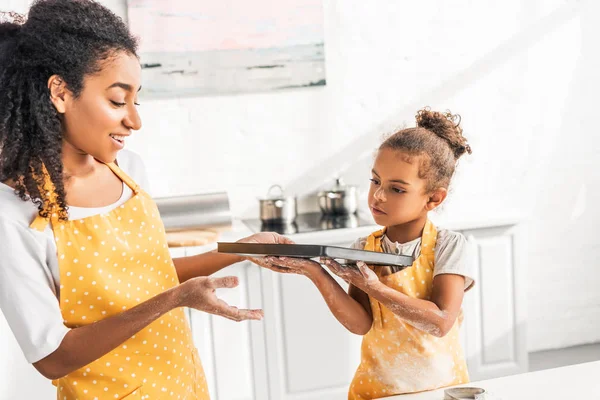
309, 222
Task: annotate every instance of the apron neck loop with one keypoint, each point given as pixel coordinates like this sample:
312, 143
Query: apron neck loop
40, 223
428, 238
374, 240
123, 176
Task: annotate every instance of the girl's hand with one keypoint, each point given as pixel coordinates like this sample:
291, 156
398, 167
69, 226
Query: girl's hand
360, 276
199, 293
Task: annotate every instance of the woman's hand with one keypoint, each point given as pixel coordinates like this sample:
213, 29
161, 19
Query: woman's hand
277, 264
207, 264
291, 265
266, 238
199, 293
360, 276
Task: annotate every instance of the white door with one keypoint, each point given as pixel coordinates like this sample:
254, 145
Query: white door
311, 356
18, 378
233, 353
495, 317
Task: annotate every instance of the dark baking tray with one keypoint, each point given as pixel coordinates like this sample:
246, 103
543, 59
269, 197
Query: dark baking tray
313, 251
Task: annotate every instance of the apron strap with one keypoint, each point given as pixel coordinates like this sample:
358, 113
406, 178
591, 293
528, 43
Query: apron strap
428, 240
124, 177
40, 223
374, 241
374, 244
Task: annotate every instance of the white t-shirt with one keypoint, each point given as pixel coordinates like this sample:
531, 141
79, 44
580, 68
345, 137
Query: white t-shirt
29, 276
451, 253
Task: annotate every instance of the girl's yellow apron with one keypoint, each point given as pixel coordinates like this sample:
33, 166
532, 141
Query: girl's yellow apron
108, 264
397, 358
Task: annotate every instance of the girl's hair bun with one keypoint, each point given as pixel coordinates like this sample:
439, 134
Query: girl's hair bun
447, 126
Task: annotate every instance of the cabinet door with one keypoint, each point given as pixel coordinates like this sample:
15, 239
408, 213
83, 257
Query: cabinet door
311, 356
233, 353
18, 378
495, 308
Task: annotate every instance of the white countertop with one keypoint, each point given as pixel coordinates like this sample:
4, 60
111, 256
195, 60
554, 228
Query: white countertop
347, 236
581, 381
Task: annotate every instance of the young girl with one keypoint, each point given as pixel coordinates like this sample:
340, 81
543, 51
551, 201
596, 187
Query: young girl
87, 283
409, 318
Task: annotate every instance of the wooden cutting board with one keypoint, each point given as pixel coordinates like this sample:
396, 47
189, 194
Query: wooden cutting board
194, 237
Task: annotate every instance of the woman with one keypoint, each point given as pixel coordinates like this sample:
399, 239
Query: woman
86, 280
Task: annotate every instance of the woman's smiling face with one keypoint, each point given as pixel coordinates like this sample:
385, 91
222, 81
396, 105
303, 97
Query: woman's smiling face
105, 113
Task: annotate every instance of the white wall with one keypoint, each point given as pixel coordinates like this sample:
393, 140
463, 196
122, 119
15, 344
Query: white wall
524, 76
522, 73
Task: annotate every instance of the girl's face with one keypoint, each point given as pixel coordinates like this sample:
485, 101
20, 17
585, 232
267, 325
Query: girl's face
397, 195
105, 113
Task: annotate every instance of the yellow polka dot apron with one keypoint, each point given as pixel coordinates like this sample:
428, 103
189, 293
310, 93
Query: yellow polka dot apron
397, 358
108, 264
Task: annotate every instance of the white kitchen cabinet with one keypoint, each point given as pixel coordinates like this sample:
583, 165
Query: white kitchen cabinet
18, 378
233, 353
495, 316
301, 352
311, 356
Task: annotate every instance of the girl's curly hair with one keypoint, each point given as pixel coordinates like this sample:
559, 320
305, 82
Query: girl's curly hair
437, 136
68, 38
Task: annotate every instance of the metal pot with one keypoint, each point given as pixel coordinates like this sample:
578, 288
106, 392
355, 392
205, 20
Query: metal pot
278, 207
341, 199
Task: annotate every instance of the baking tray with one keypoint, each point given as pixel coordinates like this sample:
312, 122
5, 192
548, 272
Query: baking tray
350, 256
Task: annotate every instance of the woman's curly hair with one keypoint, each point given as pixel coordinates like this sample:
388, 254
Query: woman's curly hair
68, 38
438, 137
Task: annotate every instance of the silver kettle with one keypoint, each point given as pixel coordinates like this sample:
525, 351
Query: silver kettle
341, 199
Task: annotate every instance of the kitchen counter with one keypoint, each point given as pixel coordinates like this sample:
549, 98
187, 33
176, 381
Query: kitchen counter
192, 237
573, 382
206, 241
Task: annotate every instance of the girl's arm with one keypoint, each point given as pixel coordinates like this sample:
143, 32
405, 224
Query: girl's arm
435, 316
208, 263
361, 297
351, 310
